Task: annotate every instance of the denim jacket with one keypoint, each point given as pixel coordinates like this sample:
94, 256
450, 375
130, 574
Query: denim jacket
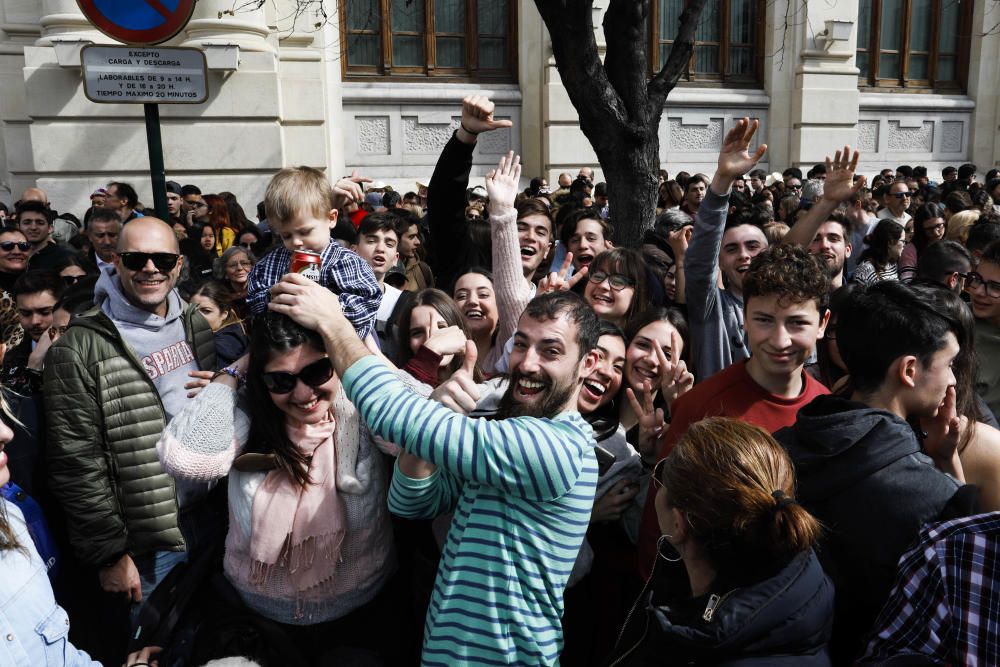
34, 630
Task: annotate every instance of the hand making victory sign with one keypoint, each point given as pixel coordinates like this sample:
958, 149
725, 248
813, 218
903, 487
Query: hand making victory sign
675, 379
557, 280
651, 422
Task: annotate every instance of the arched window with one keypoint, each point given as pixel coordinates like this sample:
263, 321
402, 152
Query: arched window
456, 39
914, 44
728, 43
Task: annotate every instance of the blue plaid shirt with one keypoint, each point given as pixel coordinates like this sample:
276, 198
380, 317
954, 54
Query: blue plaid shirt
945, 604
346, 274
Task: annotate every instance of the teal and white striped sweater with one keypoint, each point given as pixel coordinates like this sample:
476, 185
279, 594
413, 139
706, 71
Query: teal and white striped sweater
522, 491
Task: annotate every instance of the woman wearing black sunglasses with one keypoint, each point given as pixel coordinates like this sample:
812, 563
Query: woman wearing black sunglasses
74, 269
310, 544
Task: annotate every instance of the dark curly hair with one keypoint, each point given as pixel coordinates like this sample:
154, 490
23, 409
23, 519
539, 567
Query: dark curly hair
789, 272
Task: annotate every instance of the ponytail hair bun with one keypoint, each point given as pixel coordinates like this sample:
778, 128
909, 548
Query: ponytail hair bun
736, 485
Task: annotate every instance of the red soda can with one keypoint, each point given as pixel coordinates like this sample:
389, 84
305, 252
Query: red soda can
307, 263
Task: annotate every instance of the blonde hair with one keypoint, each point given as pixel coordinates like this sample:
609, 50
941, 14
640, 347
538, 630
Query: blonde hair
297, 190
774, 232
959, 225
736, 485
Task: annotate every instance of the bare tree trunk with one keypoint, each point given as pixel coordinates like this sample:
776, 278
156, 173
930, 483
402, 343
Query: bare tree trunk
618, 104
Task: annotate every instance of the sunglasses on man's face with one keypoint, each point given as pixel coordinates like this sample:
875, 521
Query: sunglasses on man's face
315, 375
23, 246
136, 261
901, 195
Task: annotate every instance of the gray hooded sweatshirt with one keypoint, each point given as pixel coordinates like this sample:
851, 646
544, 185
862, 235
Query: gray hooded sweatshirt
162, 348
715, 315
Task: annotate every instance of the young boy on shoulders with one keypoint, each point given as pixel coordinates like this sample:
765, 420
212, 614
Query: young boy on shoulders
302, 208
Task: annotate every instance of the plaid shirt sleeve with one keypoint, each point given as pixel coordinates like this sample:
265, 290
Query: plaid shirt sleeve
916, 619
344, 273
263, 276
352, 279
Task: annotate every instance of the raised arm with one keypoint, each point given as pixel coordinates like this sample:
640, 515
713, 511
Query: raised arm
839, 187
529, 458
446, 191
701, 263
202, 440
512, 289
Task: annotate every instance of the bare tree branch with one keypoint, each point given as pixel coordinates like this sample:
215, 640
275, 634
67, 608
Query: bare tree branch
625, 26
571, 30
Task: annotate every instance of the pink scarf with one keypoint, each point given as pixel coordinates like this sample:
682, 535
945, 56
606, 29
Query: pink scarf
290, 524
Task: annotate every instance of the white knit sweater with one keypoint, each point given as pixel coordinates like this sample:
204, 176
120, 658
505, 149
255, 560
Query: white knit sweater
201, 443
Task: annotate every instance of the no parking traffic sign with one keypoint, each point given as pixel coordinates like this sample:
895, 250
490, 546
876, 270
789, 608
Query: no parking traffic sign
138, 22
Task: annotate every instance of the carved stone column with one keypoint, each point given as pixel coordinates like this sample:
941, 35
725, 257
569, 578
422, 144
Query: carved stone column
212, 24
826, 100
62, 20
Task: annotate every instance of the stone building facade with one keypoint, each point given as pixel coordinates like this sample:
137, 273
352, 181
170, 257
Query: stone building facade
377, 85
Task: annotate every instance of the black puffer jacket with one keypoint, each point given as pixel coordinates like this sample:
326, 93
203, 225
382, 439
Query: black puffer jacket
861, 472
782, 620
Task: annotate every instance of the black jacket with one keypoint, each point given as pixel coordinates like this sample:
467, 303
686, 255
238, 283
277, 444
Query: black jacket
861, 472
230, 344
784, 619
452, 251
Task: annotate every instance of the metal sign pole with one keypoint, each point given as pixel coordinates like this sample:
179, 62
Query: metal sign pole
156, 170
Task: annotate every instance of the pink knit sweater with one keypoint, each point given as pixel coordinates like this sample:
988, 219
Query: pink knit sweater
512, 289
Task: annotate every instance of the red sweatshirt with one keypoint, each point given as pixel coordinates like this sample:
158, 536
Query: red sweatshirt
729, 393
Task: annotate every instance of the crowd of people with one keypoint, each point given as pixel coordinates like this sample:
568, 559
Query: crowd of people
483, 433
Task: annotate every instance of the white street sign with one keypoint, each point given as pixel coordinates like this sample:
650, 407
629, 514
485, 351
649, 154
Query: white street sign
144, 75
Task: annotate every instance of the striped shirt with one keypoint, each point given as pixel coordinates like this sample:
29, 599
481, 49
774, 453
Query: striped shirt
343, 271
866, 274
522, 490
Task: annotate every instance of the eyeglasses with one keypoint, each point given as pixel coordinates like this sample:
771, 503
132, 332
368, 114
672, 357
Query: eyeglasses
240, 265
136, 261
315, 374
794, 186
935, 228
974, 280
23, 246
617, 281
72, 280
902, 195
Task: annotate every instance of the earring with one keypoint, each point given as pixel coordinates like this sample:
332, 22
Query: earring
664, 539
